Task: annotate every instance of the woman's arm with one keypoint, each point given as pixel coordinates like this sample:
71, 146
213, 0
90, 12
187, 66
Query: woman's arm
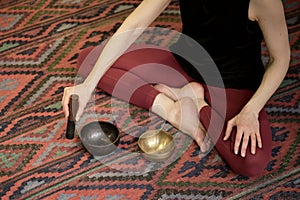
129, 31
270, 16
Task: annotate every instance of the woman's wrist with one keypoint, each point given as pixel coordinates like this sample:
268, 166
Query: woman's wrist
90, 87
253, 107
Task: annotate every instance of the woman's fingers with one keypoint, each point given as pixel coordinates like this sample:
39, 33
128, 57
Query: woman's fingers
253, 143
244, 144
247, 135
242, 141
65, 101
259, 141
238, 139
83, 92
230, 125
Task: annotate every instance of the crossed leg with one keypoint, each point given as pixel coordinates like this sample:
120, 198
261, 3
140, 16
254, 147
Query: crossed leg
179, 106
193, 90
131, 79
189, 99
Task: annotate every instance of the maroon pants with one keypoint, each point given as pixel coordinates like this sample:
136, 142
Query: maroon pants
131, 78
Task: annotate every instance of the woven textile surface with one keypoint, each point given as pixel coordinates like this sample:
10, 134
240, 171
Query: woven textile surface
39, 45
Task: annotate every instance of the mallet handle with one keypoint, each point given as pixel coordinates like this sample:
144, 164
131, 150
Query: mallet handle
73, 108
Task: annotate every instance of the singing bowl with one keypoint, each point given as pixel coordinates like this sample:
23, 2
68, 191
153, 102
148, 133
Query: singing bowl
156, 145
100, 138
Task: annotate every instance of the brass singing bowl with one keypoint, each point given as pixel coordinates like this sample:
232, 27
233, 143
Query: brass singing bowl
156, 145
100, 138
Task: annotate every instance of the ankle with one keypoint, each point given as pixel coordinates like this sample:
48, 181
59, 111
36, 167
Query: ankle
162, 106
200, 103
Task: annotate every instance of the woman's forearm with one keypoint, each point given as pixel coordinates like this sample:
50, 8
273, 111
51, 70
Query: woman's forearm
274, 75
129, 31
114, 48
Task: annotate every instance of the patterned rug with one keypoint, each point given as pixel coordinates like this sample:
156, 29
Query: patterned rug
39, 45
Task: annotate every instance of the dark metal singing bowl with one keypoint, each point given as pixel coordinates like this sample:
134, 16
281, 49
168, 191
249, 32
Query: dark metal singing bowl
100, 138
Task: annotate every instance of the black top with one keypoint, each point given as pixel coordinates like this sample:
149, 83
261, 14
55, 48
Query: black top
233, 42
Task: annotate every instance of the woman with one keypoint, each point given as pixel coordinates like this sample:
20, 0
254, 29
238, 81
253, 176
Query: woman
231, 32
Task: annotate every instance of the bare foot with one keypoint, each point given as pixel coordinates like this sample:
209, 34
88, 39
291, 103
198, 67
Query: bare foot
188, 102
171, 92
185, 118
182, 114
192, 90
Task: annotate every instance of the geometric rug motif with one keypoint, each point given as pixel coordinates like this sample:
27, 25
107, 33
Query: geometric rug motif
39, 46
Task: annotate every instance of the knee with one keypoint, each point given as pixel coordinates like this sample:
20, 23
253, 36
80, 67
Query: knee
196, 85
82, 55
252, 165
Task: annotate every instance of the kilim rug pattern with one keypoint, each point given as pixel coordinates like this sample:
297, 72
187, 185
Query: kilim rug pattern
39, 45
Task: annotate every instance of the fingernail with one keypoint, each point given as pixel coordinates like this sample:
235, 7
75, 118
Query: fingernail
243, 155
236, 152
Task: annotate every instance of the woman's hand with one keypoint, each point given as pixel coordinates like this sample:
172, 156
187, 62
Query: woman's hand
84, 94
247, 125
